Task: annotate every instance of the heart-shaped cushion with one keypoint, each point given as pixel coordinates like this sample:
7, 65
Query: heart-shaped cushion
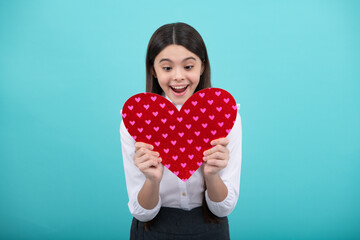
182, 136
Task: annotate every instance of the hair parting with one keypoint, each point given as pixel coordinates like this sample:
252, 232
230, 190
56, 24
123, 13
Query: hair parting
173, 35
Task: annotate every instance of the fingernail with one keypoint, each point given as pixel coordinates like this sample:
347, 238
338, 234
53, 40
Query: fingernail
204, 158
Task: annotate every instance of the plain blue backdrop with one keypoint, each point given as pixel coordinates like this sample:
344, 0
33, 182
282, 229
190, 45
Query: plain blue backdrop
67, 67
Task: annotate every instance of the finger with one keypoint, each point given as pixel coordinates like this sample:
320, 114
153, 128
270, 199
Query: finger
217, 163
148, 164
143, 145
216, 156
220, 141
217, 148
145, 156
142, 151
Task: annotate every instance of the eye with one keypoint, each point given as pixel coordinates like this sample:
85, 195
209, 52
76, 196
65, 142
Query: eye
167, 68
188, 67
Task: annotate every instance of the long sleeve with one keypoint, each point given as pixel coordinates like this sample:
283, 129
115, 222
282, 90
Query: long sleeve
134, 178
231, 174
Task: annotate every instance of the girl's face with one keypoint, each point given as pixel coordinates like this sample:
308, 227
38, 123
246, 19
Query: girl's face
178, 71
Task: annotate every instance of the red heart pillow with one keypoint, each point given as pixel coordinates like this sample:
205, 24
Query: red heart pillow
182, 136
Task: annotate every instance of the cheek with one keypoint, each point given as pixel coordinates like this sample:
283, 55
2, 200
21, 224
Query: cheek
163, 79
194, 77
196, 73
162, 85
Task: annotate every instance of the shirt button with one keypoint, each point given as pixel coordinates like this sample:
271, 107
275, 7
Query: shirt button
184, 194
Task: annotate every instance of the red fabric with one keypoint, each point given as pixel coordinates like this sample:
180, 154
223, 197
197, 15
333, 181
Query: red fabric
182, 136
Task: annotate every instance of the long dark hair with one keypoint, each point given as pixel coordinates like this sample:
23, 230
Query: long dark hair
186, 36
179, 34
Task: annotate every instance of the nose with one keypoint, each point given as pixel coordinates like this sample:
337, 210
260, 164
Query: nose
179, 75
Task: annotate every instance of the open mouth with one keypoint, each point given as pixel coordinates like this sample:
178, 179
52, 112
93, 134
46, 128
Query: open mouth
179, 90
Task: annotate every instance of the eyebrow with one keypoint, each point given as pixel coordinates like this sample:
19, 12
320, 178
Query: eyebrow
185, 59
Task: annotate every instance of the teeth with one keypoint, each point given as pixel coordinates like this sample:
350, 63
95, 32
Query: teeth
178, 87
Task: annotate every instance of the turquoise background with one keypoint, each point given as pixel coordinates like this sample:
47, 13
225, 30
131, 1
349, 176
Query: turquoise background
67, 67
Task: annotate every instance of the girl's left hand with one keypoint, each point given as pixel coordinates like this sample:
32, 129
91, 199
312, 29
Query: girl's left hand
217, 157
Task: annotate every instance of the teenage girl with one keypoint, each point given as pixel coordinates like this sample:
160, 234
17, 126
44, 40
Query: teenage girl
162, 205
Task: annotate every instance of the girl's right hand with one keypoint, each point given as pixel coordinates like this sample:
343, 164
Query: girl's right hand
148, 161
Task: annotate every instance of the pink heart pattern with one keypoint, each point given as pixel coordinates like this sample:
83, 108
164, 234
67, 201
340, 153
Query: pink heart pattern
182, 136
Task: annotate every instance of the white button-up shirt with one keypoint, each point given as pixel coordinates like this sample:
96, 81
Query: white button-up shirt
173, 191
